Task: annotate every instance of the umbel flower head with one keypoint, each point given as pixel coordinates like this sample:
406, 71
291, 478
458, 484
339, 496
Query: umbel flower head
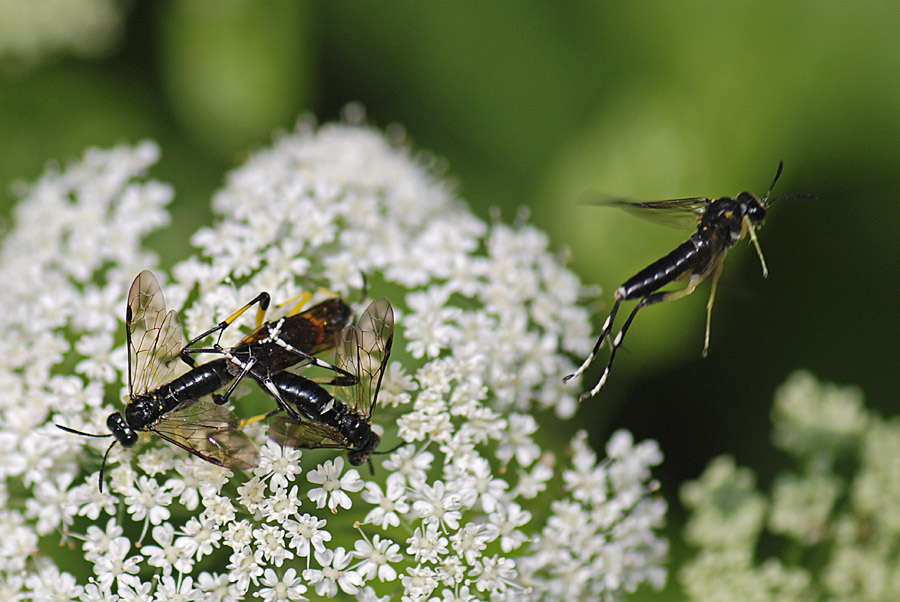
833, 521
468, 507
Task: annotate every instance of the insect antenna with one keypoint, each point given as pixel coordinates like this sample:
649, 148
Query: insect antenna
381, 453
765, 200
783, 197
105, 455
82, 433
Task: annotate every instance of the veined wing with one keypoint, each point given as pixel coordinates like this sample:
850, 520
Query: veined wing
363, 351
296, 339
211, 432
306, 434
154, 336
680, 213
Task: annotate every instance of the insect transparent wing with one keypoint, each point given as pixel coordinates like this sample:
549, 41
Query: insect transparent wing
154, 335
211, 432
679, 213
306, 435
363, 351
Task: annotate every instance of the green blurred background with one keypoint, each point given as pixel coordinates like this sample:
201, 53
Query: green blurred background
539, 105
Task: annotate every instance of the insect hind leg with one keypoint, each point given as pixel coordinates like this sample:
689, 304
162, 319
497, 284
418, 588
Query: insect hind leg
616, 342
604, 334
263, 299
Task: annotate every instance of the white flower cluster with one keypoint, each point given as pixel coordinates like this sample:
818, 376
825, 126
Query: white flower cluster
836, 517
31, 30
468, 508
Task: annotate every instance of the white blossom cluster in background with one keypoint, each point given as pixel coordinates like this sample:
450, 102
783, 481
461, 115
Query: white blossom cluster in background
30, 30
470, 507
833, 524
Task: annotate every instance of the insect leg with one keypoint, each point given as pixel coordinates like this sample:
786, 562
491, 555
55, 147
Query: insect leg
709, 304
343, 377
748, 226
617, 340
259, 418
301, 300
262, 299
221, 399
604, 334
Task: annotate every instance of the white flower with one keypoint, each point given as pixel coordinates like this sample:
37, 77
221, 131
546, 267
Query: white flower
435, 504
279, 464
333, 574
307, 531
389, 505
281, 504
485, 309
419, 582
148, 499
97, 542
114, 564
507, 519
200, 536
168, 554
427, 545
269, 540
334, 488
245, 568
376, 556
48, 583
516, 441
170, 589
281, 589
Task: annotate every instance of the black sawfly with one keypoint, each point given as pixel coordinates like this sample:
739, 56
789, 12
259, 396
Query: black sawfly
179, 408
721, 223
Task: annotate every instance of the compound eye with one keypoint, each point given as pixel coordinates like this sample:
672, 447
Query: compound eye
123, 433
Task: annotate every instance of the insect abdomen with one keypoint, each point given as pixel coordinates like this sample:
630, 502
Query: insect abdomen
661, 272
306, 399
199, 382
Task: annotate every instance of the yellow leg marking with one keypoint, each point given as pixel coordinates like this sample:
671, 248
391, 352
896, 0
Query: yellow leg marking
255, 419
301, 300
709, 304
260, 312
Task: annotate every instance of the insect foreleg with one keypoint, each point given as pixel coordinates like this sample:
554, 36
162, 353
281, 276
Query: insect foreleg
748, 226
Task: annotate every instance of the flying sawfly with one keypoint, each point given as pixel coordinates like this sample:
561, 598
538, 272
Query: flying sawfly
720, 224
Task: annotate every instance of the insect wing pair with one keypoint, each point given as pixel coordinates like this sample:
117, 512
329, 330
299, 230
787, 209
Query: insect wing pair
192, 420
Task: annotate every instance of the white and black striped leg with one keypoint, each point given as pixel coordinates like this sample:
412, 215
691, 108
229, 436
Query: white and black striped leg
343, 377
617, 340
604, 334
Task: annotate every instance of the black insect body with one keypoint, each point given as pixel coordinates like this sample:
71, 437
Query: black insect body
293, 340
721, 223
178, 409
316, 418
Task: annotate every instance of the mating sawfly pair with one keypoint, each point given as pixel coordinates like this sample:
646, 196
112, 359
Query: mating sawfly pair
187, 410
